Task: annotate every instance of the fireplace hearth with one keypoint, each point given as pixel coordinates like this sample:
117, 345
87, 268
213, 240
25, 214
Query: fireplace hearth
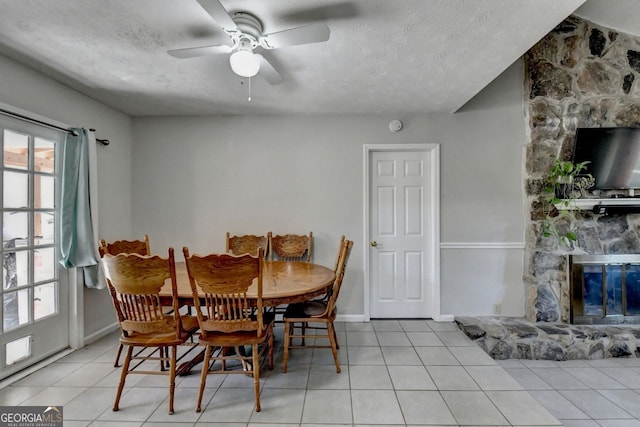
605, 289
516, 338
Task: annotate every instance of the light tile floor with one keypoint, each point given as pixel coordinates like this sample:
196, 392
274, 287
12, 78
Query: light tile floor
583, 393
413, 372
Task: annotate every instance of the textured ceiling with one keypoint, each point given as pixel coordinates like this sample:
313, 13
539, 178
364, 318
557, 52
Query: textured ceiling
383, 57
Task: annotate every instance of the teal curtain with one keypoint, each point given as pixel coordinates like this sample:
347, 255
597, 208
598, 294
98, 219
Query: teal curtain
79, 206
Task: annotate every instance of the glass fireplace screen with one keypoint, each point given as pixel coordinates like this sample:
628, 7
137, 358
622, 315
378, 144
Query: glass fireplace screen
605, 289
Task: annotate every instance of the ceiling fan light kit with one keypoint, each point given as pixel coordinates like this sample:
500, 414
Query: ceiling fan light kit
244, 62
245, 32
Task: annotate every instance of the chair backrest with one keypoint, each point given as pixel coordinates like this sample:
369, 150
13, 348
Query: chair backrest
245, 244
337, 284
222, 281
134, 283
290, 247
335, 267
140, 247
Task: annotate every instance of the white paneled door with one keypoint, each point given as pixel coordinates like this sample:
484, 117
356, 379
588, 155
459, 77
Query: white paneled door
34, 312
403, 233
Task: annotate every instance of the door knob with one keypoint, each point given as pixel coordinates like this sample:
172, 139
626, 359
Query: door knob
374, 243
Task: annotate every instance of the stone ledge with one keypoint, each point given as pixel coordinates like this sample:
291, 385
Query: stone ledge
516, 338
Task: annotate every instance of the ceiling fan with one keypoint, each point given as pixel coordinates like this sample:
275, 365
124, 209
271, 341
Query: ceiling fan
245, 31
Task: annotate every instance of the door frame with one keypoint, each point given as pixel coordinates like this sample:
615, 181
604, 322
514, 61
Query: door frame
433, 212
70, 278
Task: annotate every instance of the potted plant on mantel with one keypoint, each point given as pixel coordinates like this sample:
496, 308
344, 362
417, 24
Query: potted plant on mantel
564, 183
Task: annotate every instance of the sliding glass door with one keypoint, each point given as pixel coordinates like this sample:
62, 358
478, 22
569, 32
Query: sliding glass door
34, 313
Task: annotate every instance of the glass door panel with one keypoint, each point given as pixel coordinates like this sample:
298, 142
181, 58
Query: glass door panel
614, 289
592, 291
632, 282
15, 150
16, 189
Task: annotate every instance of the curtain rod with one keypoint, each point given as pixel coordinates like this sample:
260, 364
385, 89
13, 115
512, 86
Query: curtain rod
104, 142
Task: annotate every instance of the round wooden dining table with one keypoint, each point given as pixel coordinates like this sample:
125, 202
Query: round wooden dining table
283, 282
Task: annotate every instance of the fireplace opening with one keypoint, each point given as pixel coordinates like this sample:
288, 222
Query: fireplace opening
605, 289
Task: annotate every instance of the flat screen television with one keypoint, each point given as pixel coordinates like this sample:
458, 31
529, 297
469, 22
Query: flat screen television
613, 155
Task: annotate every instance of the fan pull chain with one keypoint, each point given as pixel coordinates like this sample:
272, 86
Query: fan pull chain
242, 83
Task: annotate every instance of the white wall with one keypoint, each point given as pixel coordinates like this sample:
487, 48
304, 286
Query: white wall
483, 211
32, 91
195, 178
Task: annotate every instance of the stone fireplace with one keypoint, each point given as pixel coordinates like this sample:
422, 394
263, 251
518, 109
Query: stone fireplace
579, 75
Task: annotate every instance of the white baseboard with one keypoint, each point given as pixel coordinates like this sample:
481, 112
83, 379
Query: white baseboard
101, 333
350, 318
361, 318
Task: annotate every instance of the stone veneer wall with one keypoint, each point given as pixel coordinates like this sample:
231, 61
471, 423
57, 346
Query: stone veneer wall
579, 75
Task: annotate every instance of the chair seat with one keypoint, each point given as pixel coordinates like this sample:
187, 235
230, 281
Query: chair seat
189, 326
305, 309
151, 340
232, 339
226, 339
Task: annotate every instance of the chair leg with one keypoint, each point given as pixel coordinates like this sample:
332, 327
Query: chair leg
123, 376
116, 363
226, 351
287, 338
172, 375
335, 336
304, 331
164, 354
256, 375
167, 363
203, 376
240, 351
332, 339
271, 339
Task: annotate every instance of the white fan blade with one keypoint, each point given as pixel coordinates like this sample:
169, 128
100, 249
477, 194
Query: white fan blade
218, 13
270, 74
312, 33
192, 52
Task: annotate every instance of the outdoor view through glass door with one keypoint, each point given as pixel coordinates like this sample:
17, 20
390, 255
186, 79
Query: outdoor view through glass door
34, 302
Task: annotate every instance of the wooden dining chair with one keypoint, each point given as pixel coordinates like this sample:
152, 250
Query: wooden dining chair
245, 244
290, 247
320, 313
140, 247
227, 320
324, 298
134, 282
